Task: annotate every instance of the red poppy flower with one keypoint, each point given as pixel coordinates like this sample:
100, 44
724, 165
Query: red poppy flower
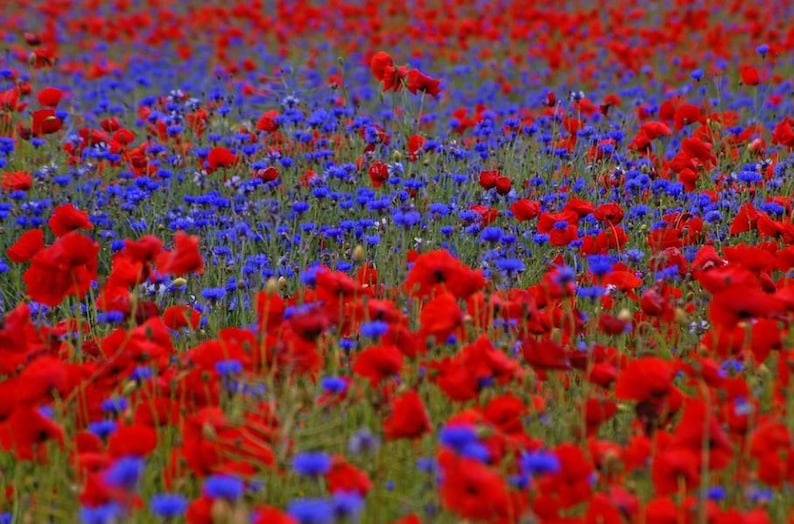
26, 431
17, 181
184, 258
439, 268
49, 96
220, 157
473, 490
675, 467
378, 173
267, 122
414, 146
67, 267
418, 81
645, 379
545, 354
45, 122
377, 363
67, 218
441, 316
271, 515
524, 209
408, 418
181, 316
394, 78
378, 64
487, 179
749, 75
132, 440
739, 303
27, 245
346, 478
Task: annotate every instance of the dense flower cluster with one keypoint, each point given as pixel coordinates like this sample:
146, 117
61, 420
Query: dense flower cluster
315, 263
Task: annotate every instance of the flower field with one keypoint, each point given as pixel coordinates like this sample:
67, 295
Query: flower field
439, 261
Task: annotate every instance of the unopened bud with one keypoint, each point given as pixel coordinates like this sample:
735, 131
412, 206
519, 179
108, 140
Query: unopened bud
624, 315
271, 287
358, 253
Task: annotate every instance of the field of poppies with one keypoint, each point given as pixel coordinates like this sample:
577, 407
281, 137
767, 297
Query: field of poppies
438, 261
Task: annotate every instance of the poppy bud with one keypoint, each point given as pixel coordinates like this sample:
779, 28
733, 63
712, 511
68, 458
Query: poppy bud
208, 432
271, 287
221, 512
358, 253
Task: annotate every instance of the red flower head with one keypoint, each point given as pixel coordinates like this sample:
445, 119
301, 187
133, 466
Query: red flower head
67, 218
749, 75
220, 157
380, 61
49, 96
27, 245
408, 418
418, 81
67, 267
17, 181
377, 363
473, 490
184, 258
45, 122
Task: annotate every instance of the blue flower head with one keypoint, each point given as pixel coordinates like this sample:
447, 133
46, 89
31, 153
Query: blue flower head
374, 329
105, 514
540, 463
224, 487
125, 473
311, 463
312, 511
334, 384
363, 441
347, 506
168, 505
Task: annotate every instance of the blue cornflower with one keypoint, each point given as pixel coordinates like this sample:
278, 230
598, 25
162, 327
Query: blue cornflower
511, 265
540, 238
334, 384
600, 265
224, 487
347, 506
373, 329
168, 505
491, 234
565, 274
762, 50
102, 428
696, 75
312, 511
363, 441
228, 367
540, 462
457, 436
125, 473
427, 464
141, 373
311, 463
105, 514
213, 293
115, 404
593, 292
716, 493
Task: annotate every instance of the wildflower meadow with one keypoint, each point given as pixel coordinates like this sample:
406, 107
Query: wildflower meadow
433, 261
